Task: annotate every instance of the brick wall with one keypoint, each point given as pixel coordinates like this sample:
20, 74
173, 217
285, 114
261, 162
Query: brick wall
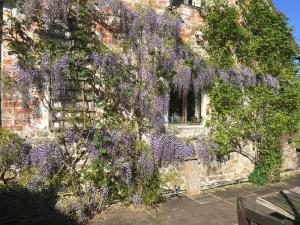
193, 175
26, 119
34, 120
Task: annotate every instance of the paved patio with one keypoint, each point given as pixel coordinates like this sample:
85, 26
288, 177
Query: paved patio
210, 208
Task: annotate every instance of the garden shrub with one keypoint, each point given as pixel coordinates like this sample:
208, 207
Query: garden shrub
244, 108
106, 160
12, 152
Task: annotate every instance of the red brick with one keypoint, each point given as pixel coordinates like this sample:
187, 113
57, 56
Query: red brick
7, 123
7, 62
23, 110
21, 122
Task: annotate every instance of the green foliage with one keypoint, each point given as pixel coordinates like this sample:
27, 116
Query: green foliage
151, 191
272, 43
256, 35
225, 36
259, 38
11, 151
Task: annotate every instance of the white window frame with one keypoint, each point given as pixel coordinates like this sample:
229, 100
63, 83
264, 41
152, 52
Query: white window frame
196, 3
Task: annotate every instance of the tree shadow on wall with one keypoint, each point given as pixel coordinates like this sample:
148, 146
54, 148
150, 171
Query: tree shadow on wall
19, 206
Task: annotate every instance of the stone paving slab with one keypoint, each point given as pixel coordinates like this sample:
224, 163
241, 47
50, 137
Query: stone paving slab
207, 199
211, 208
216, 213
126, 217
231, 193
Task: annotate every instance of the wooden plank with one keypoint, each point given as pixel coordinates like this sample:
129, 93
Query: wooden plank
275, 208
241, 205
259, 218
286, 203
248, 216
295, 190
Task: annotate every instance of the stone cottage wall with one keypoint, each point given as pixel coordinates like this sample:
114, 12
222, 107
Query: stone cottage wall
195, 175
192, 175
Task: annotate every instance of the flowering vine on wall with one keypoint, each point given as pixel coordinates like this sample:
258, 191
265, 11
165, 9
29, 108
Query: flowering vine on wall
59, 43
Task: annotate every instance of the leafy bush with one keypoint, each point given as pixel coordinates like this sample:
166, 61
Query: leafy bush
253, 111
12, 151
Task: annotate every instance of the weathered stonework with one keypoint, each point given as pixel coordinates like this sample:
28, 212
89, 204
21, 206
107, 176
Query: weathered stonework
192, 175
289, 155
196, 175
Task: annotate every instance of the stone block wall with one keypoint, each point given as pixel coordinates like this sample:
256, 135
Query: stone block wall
192, 175
289, 155
195, 175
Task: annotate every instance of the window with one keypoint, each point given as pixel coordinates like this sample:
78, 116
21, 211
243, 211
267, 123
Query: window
185, 110
196, 3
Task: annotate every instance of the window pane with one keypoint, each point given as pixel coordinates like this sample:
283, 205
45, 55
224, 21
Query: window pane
197, 3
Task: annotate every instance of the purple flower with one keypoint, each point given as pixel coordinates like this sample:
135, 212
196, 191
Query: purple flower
126, 172
224, 75
272, 82
46, 158
92, 150
136, 199
104, 192
147, 165
182, 79
97, 59
203, 148
59, 76
35, 182
56, 10
72, 135
248, 76
120, 143
168, 148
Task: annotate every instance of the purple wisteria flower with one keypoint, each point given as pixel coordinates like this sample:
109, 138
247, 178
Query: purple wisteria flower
59, 76
25, 78
97, 59
157, 110
92, 150
46, 158
147, 165
182, 79
126, 172
73, 135
136, 199
35, 182
56, 10
248, 76
272, 82
120, 143
203, 148
169, 148
104, 191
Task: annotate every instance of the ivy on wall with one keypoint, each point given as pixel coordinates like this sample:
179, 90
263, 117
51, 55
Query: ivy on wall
257, 36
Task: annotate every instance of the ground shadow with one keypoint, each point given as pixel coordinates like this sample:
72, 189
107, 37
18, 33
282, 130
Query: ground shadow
19, 206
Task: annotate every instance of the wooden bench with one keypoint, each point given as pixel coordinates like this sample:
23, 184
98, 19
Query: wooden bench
248, 216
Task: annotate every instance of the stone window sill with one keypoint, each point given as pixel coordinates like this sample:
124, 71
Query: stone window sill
185, 126
192, 6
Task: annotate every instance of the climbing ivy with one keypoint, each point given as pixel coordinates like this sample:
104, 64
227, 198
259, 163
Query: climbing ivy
255, 35
225, 36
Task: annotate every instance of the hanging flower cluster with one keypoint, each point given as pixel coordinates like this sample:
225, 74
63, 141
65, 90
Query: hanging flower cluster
46, 158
